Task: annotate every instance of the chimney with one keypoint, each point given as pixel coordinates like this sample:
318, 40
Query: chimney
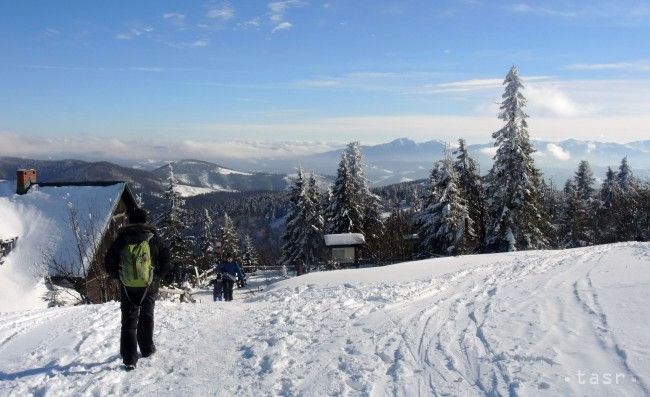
25, 178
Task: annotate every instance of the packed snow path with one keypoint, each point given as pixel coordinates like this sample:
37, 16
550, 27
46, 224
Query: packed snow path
548, 323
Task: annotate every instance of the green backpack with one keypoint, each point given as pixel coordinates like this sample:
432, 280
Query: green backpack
135, 265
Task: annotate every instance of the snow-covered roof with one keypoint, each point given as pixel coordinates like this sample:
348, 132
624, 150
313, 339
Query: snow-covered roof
41, 220
344, 239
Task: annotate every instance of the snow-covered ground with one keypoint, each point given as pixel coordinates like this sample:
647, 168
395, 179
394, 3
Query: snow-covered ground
547, 323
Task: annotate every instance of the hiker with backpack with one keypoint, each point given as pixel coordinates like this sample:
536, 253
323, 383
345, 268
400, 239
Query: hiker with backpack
139, 260
229, 272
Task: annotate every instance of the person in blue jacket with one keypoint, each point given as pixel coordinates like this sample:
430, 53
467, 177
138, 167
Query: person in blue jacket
229, 272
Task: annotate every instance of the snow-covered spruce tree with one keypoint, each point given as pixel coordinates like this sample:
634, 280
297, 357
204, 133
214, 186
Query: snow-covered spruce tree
344, 213
230, 240
290, 248
444, 224
608, 198
515, 221
575, 229
174, 225
208, 242
397, 246
643, 215
585, 210
471, 187
585, 180
250, 259
372, 224
620, 205
352, 207
625, 177
552, 202
303, 236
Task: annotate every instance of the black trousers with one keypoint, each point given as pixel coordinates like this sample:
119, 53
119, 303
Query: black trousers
227, 289
217, 291
137, 323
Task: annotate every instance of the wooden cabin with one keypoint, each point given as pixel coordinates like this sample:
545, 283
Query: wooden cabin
85, 218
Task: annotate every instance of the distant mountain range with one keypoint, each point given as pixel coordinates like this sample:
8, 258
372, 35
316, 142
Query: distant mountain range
404, 159
397, 161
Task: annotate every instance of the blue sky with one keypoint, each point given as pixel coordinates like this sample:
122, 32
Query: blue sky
200, 73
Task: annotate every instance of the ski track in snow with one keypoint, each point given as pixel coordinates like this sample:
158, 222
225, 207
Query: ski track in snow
501, 325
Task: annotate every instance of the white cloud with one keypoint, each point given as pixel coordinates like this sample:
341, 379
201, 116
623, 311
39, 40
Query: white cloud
153, 69
200, 43
277, 9
173, 15
475, 84
317, 83
223, 12
252, 23
526, 8
639, 66
546, 98
370, 81
594, 12
282, 26
557, 152
468, 85
133, 33
94, 147
50, 32
181, 45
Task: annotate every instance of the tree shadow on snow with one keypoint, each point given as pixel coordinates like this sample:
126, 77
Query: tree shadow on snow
74, 368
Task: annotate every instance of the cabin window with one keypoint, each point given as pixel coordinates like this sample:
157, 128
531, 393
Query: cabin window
343, 254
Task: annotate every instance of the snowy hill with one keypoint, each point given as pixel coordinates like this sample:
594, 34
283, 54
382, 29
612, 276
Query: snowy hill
544, 323
203, 174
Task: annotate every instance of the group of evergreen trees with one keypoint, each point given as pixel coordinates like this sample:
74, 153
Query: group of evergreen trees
585, 215
349, 207
463, 212
513, 208
450, 218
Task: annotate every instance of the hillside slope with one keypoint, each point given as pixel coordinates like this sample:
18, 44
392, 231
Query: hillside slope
546, 323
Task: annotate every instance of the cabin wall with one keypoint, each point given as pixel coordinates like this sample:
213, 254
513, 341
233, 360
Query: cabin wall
99, 286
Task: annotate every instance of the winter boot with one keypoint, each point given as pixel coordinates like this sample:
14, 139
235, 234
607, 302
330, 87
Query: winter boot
151, 353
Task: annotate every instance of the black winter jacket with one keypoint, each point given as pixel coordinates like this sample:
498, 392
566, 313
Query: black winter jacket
136, 233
